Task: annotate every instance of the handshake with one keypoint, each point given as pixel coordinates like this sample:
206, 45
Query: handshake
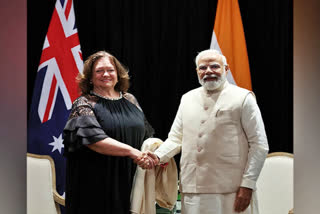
147, 160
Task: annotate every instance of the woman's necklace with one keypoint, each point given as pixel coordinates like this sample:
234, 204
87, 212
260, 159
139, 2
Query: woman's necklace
107, 98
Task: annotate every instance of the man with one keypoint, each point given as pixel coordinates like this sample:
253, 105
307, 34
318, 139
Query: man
220, 132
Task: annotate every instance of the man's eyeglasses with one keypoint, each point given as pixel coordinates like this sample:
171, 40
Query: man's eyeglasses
212, 67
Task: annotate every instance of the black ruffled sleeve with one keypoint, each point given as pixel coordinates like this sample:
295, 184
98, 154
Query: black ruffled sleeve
82, 127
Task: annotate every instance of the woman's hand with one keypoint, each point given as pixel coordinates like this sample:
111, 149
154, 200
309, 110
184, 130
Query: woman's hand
147, 160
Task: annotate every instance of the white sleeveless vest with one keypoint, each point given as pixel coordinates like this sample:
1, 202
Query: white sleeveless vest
214, 145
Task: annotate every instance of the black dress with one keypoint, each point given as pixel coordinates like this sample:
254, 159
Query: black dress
99, 183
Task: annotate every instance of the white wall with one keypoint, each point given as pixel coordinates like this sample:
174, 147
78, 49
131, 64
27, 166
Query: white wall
13, 62
306, 107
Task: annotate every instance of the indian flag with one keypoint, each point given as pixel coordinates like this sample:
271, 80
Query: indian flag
228, 38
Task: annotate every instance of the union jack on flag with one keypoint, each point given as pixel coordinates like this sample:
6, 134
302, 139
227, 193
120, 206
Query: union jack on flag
55, 88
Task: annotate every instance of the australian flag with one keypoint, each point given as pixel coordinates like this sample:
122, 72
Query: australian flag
55, 88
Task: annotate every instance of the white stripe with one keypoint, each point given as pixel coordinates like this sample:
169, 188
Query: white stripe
75, 52
53, 101
215, 45
61, 84
45, 91
46, 43
69, 23
52, 69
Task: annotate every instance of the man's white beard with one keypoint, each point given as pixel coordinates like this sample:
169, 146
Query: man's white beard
212, 85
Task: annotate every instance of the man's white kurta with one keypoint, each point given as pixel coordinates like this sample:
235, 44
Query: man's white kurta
223, 142
195, 203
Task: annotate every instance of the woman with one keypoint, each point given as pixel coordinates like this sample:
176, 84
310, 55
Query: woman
102, 138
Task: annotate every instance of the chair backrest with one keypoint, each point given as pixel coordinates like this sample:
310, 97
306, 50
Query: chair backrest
275, 184
41, 185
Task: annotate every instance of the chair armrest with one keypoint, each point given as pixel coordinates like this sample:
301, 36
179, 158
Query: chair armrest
58, 198
291, 211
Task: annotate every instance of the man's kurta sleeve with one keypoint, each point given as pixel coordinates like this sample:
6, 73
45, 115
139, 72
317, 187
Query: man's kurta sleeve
253, 126
172, 145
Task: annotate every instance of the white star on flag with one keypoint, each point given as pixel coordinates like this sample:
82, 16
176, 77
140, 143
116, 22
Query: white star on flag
57, 143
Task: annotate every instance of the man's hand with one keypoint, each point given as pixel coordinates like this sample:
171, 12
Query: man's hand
243, 199
154, 158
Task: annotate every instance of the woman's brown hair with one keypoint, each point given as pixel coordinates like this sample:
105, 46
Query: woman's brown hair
84, 78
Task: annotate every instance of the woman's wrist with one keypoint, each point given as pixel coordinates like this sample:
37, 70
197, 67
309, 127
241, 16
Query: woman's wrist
134, 153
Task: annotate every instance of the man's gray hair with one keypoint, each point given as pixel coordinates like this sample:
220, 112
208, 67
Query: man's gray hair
210, 51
